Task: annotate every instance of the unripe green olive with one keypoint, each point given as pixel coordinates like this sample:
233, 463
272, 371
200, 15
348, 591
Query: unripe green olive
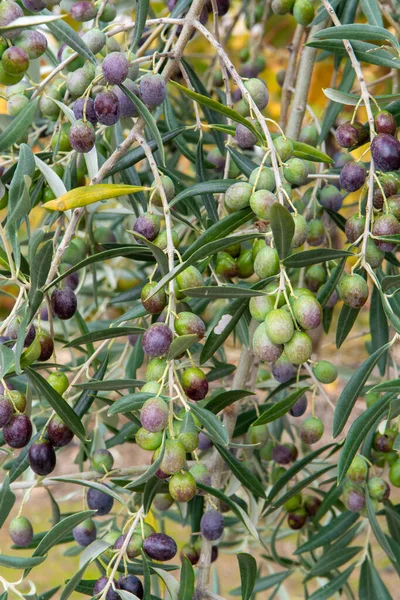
266, 263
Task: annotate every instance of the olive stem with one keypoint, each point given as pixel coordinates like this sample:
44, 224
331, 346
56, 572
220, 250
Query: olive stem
318, 385
241, 377
253, 107
122, 551
365, 97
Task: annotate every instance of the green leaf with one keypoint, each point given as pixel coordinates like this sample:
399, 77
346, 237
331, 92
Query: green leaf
63, 32
103, 334
147, 117
353, 389
219, 230
280, 408
180, 345
248, 574
296, 468
358, 430
57, 403
94, 485
307, 152
110, 384
134, 156
379, 535
212, 186
20, 562
39, 271
59, 531
332, 560
390, 281
6, 360
19, 201
371, 586
264, 583
387, 386
345, 324
211, 115
224, 399
208, 199
327, 289
18, 125
329, 532
379, 328
220, 108
329, 589
295, 489
7, 499
151, 488
372, 11
365, 52
129, 403
49, 593
212, 424
222, 291
135, 252
215, 340
169, 581
72, 583
29, 21
282, 226
87, 397
142, 8
186, 587
158, 254
354, 99
244, 163
358, 31
246, 477
313, 257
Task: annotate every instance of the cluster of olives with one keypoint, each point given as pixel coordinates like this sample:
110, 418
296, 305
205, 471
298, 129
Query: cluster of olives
302, 10
17, 426
17, 48
299, 509
385, 150
157, 546
17, 432
358, 484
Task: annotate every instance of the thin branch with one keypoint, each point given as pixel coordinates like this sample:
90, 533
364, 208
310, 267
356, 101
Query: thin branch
303, 83
242, 376
365, 96
253, 107
290, 75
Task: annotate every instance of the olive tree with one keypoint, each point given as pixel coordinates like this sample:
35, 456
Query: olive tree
173, 262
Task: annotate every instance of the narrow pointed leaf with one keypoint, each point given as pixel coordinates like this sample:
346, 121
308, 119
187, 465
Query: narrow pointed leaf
57, 403
352, 391
248, 574
83, 196
358, 430
282, 226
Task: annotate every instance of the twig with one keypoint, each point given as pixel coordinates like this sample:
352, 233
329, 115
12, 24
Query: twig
254, 108
242, 376
303, 83
122, 551
290, 74
365, 96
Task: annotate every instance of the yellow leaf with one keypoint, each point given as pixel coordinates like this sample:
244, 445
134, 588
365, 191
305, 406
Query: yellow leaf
82, 196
